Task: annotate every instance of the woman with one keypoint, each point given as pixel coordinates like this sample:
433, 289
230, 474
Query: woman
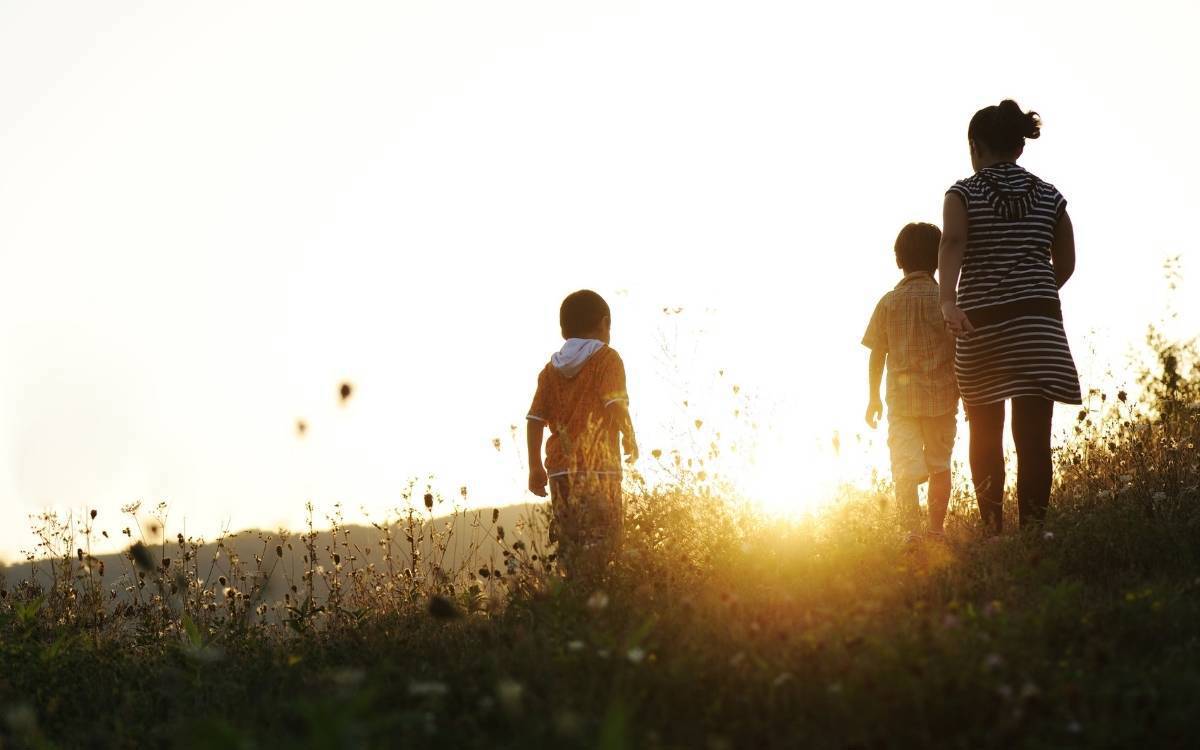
1009, 235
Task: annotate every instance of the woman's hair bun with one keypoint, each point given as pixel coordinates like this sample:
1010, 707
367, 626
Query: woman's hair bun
1003, 128
1028, 124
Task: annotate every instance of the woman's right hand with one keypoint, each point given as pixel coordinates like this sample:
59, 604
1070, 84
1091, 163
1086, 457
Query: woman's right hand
956, 320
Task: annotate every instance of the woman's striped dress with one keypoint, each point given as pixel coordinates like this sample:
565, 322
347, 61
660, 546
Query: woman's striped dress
1008, 291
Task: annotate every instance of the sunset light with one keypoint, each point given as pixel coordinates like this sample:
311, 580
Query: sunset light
597, 374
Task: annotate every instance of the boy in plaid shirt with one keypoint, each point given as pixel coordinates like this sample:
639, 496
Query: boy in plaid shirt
907, 334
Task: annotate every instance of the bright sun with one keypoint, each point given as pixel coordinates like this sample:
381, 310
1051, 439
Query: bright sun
792, 478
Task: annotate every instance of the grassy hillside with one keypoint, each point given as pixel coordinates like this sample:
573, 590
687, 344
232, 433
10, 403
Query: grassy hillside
716, 629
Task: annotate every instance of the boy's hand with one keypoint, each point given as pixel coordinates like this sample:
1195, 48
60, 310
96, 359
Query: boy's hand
874, 413
956, 320
538, 480
629, 443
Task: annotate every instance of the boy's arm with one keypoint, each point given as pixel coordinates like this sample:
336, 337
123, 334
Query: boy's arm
875, 378
534, 430
950, 256
618, 415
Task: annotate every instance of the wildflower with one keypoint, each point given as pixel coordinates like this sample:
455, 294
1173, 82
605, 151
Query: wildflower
635, 655
783, 679
575, 646
344, 391
950, 622
657, 453
1048, 536
737, 659
279, 550
496, 443
495, 514
993, 661
567, 724
428, 501
348, 678
597, 601
1122, 395
93, 514
508, 694
21, 719
429, 689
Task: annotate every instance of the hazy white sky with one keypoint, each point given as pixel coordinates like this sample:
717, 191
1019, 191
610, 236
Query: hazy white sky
211, 214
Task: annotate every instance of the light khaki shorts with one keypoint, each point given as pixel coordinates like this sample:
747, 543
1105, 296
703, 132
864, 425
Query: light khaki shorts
921, 446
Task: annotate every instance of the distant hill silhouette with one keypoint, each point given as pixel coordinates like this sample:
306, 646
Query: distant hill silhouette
469, 527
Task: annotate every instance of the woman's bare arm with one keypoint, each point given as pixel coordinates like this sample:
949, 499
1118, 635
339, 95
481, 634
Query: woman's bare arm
950, 257
1062, 252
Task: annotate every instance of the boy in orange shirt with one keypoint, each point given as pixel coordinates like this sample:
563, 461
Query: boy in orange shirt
581, 396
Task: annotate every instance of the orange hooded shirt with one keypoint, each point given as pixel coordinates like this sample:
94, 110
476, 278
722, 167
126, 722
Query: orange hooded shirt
573, 394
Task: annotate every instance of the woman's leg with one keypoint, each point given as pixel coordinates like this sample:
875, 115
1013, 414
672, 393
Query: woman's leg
1031, 432
986, 423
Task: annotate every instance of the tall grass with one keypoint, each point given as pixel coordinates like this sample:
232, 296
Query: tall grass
715, 628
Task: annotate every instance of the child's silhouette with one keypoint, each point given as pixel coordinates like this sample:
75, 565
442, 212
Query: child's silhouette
582, 398
907, 333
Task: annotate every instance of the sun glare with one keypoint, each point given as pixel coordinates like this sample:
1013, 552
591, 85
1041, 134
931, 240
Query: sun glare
792, 478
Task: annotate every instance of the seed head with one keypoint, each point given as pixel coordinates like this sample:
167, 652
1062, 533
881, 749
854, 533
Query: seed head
441, 608
141, 556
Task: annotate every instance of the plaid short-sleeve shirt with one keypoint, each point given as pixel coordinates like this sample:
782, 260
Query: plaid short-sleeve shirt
908, 326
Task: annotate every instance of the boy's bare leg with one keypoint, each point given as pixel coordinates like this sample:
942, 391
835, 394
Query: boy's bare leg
908, 504
939, 500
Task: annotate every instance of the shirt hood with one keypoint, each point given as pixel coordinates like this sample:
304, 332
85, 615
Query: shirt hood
1011, 190
574, 354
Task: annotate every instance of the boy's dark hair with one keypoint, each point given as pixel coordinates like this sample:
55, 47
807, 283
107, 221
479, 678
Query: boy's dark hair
581, 313
917, 247
1002, 128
